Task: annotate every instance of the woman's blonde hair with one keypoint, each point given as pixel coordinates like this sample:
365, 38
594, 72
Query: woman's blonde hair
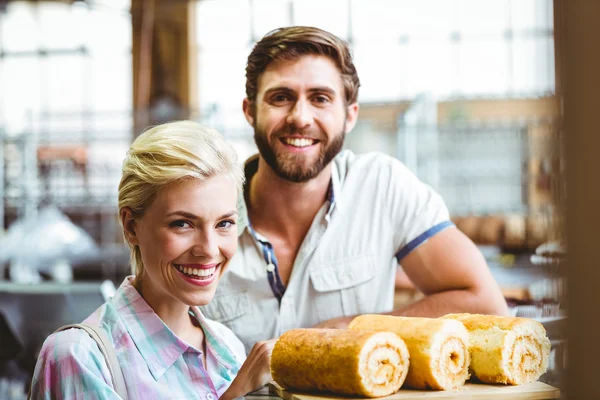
169, 153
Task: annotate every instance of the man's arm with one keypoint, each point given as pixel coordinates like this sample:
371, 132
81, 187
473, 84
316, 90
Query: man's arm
452, 273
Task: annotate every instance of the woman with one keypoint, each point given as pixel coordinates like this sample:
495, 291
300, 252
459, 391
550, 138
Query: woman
177, 204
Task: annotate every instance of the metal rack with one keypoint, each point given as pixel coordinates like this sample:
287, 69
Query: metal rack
479, 167
69, 161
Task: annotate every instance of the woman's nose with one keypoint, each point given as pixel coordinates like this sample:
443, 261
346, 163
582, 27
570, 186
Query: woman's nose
205, 245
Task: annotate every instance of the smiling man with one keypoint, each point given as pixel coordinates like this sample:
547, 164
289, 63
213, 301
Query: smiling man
321, 231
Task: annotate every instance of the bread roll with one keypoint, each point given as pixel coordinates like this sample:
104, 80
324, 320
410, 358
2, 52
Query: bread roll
505, 350
439, 353
470, 225
491, 230
340, 361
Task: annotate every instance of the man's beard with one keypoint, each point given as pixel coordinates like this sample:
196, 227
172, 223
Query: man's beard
291, 166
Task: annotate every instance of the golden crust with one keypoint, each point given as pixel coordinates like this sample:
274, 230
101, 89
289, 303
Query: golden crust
439, 356
340, 361
505, 350
481, 321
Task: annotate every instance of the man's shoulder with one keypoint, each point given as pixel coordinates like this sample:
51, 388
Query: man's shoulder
368, 164
347, 160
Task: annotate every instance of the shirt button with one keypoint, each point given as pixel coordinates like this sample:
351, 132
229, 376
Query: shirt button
210, 396
271, 267
217, 315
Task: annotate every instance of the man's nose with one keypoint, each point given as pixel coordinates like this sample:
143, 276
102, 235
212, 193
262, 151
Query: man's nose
300, 115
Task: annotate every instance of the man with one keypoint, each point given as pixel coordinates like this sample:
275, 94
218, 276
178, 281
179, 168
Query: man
321, 232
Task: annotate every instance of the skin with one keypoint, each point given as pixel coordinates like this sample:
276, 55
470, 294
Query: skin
189, 223
448, 268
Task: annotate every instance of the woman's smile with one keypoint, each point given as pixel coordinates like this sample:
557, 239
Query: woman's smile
198, 274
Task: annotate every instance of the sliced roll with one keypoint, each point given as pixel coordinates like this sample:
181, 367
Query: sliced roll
346, 362
439, 353
505, 350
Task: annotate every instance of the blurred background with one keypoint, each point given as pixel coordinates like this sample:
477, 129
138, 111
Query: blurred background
467, 93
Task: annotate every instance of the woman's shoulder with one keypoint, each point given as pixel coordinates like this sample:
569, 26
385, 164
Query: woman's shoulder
72, 343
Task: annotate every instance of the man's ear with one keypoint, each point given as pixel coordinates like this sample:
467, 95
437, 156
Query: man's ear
248, 108
351, 116
129, 225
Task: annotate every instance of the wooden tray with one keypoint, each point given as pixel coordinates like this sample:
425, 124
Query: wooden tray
535, 390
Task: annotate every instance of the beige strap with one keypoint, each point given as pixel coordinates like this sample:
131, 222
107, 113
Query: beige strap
108, 351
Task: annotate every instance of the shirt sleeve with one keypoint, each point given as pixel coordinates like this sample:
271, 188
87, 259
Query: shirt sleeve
71, 366
417, 211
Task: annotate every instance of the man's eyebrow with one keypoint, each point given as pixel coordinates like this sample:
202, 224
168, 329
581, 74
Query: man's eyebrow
285, 89
325, 89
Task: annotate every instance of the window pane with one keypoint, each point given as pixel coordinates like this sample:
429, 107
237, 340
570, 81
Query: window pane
116, 69
222, 78
489, 17
101, 39
382, 72
18, 28
20, 98
531, 14
375, 19
424, 19
431, 67
268, 15
533, 65
332, 15
58, 28
483, 66
223, 24
63, 78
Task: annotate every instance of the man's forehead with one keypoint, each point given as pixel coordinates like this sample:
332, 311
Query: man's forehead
308, 72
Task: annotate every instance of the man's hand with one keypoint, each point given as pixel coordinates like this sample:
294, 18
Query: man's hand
254, 373
335, 323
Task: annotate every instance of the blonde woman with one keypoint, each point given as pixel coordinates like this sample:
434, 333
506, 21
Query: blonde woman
177, 203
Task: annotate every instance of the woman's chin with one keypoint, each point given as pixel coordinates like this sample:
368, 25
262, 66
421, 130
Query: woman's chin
201, 300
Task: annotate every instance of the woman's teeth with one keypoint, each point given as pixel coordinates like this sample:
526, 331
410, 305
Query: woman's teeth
197, 272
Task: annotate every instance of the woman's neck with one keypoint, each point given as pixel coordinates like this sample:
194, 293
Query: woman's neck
173, 313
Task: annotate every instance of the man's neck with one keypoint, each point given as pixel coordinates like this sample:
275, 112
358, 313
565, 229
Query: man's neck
284, 208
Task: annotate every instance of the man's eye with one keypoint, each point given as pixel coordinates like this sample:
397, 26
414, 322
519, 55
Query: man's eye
322, 99
180, 223
279, 98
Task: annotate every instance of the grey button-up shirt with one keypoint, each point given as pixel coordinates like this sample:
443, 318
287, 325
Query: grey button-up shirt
377, 211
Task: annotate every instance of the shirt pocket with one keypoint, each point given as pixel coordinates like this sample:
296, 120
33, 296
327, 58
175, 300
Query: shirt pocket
343, 286
227, 307
235, 312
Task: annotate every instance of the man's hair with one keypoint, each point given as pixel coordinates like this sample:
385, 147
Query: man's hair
168, 153
293, 42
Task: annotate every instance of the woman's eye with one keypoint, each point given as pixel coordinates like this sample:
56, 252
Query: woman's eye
225, 224
180, 223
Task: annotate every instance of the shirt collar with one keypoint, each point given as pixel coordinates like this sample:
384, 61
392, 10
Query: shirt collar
157, 344
215, 344
250, 168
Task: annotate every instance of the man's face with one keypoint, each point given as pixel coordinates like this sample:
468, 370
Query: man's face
300, 117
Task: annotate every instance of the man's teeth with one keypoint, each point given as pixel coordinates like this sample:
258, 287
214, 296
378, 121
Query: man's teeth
201, 273
298, 142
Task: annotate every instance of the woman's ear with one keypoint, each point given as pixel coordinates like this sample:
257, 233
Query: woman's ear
129, 225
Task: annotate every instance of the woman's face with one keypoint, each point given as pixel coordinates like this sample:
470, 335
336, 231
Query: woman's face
186, 238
